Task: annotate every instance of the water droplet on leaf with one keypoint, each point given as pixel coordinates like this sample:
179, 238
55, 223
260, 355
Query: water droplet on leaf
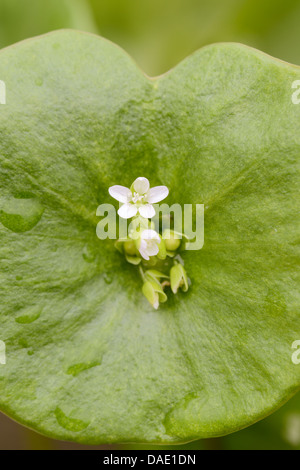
88, 254
29, 315
71, 424
20, 215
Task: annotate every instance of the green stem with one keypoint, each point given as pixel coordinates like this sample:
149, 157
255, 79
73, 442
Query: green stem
142, 273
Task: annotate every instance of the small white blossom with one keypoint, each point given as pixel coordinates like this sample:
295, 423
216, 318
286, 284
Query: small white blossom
148, 243
138, 199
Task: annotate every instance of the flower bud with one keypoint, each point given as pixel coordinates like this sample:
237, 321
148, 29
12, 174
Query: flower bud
178, 278
130, 248
154, 293
172, 240
127, 247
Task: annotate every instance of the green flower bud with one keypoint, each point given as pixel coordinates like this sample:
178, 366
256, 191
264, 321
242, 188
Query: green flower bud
154, 293
172, 240
130, 248
151, 295
178, 278
133, 259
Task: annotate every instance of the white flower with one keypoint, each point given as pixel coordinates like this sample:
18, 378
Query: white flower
148, 243
138, 199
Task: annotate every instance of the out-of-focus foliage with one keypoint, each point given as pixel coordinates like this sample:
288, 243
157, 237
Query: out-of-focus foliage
158, 33
21, 19
280, 431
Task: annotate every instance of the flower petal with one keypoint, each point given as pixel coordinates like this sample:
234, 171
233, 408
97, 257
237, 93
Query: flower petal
127, 211
147, 211
150, 234
156, 194
120, 193
143, 250
141, 185
152, 248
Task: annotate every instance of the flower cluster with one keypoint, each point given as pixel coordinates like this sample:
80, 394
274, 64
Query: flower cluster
144, 246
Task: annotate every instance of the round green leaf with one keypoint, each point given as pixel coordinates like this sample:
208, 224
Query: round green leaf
87, 357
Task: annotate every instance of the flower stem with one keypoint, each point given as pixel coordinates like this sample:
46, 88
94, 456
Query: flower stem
142, 273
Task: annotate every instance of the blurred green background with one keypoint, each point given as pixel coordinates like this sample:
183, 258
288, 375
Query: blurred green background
158, 34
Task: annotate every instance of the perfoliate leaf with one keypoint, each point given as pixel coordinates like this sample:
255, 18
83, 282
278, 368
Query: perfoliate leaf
87, 357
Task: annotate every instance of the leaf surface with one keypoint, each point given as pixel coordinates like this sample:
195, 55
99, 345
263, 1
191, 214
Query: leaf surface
87, 358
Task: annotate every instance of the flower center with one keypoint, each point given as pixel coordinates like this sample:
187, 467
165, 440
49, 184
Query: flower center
137, 197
